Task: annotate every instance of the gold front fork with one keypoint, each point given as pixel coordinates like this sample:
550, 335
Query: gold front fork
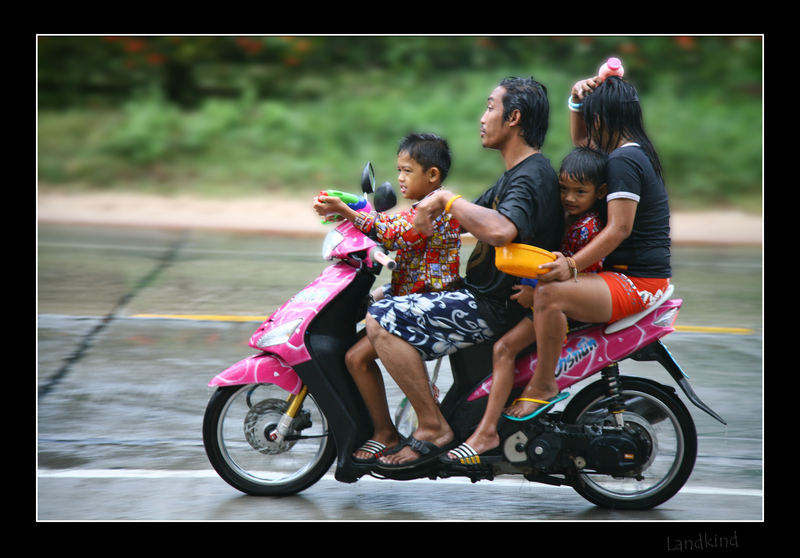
295, 403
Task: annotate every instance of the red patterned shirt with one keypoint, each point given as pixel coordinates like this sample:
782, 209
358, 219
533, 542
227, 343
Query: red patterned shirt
423, 264
579, 234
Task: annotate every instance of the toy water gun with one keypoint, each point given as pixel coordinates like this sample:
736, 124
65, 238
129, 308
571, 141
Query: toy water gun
352, 201
611, 67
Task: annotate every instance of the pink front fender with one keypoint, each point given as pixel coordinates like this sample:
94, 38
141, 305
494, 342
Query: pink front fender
260, 369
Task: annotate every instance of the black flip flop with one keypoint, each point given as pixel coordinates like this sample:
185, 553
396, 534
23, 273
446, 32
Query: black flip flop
428, 452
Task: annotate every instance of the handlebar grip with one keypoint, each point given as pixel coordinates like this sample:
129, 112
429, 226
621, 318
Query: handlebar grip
383, 258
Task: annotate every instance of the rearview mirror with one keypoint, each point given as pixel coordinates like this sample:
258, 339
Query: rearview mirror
385, 197
368, 179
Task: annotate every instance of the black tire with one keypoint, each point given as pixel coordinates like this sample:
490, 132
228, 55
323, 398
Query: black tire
235, 424
652, 408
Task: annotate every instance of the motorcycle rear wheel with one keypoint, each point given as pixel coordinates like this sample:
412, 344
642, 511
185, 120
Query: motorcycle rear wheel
655, 411
236, 427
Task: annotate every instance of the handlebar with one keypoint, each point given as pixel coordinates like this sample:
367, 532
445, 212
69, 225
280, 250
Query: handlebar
353, 202
377, 254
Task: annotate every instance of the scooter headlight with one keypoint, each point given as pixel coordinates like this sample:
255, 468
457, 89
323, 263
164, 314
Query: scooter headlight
332, 240
278, 335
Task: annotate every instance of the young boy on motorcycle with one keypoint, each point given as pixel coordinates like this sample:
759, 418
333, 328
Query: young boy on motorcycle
424, 264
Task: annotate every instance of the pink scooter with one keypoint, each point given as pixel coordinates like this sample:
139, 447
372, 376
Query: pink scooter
279, 419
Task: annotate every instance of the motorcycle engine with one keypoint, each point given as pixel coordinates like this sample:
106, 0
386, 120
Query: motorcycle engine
554, 447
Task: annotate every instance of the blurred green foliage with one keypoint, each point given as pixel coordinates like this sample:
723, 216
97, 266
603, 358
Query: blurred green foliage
255, 115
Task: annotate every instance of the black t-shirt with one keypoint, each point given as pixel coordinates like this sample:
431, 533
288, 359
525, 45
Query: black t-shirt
528, 195
646, 252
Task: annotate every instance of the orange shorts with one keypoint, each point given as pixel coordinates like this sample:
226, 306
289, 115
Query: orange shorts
630, 295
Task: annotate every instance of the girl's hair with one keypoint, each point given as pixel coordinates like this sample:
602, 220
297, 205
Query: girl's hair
529, 97
588, 166
429, 150
584, 164
611, 112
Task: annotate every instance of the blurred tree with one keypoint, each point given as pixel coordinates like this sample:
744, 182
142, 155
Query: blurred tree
89, 69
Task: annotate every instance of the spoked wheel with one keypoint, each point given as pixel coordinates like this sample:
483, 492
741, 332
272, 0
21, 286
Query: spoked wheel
653, 413
236, 433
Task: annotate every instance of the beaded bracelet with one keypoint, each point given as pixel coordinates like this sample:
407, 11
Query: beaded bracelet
574, 107
573, 267
450, 203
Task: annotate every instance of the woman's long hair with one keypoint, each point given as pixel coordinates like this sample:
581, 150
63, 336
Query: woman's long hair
612, 112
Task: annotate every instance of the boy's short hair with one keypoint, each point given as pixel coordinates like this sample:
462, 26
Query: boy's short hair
429, 150
585, 165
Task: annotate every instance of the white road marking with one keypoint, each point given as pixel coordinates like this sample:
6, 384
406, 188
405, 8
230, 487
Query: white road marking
207, 474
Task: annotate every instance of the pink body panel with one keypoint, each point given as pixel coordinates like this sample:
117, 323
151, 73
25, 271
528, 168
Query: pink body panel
354, 239
590, 350
307, 303
263, 368
275, 366
304, 306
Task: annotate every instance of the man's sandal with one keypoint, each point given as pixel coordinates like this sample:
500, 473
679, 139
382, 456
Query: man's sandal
428, 452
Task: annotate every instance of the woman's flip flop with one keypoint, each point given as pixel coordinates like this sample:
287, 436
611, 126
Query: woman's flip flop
544, 405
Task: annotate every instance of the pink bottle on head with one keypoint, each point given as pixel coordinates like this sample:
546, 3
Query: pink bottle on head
611, 67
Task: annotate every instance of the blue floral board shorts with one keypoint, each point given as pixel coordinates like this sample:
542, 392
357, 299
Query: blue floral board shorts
436, 324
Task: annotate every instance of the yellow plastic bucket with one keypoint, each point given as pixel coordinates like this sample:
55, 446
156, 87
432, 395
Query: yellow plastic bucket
522, 260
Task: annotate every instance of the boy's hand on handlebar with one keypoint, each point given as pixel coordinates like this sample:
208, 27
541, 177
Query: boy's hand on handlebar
326, 205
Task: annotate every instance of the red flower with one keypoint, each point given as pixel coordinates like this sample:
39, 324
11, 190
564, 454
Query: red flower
135, 45
302, 45
155, 59
249, 45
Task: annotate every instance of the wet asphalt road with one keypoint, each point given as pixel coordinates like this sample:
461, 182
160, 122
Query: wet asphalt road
133, 323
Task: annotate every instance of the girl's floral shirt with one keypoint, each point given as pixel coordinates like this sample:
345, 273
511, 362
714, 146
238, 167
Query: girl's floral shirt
579, 234
423, 264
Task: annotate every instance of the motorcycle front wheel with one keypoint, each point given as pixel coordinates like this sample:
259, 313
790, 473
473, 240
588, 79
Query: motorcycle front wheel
236, 434
654, 412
